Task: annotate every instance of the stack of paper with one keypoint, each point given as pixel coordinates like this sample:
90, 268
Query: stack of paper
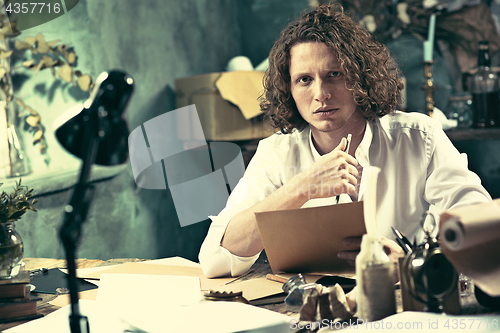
158, 303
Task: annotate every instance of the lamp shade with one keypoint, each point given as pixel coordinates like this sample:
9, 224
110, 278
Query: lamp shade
102, 116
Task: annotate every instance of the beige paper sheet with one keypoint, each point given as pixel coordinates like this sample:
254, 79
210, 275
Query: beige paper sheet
242, 88
155, 269
307, 240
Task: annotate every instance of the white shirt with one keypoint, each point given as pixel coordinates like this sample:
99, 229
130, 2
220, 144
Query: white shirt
420, 170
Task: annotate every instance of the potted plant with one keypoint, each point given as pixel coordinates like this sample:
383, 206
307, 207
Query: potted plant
12, 207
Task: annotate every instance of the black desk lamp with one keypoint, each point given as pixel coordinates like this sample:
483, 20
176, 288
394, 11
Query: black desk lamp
97, 134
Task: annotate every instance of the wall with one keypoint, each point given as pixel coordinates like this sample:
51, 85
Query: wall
155, 41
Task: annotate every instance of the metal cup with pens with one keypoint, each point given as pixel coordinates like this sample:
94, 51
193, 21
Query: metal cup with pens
428, 277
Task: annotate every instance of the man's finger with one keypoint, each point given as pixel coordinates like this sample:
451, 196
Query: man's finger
352, 241
342, 145
348, 255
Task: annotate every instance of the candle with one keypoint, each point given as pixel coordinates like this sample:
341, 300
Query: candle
429, 43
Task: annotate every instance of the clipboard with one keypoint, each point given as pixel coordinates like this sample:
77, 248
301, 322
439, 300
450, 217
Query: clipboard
307, 240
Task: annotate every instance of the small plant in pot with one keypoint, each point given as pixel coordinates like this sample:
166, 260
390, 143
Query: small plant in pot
12, 207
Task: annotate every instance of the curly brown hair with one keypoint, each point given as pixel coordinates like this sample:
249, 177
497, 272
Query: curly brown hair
370, 71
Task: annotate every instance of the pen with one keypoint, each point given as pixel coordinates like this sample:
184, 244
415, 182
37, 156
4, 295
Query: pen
349, 137
346, 150
402, 241
276, 278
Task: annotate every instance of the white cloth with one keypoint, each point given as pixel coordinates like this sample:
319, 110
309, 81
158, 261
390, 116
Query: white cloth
420, 168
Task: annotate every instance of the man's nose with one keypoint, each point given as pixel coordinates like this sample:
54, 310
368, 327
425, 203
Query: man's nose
321, 91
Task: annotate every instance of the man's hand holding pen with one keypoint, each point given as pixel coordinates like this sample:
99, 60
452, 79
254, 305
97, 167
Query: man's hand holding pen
332, 174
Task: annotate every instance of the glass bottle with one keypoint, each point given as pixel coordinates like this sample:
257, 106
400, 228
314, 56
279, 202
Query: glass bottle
485, 91
375, 297
11, 251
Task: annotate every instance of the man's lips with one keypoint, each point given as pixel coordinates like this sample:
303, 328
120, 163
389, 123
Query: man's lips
324, 110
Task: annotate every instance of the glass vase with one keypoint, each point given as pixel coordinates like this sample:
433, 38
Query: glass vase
13, 160
11, 251
19, 163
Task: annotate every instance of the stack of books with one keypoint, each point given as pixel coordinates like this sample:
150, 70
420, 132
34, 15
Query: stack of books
16, 301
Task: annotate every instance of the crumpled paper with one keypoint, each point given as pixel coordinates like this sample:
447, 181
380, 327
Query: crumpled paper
326, 303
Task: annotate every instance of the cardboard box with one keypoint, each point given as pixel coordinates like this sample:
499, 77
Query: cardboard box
227, 105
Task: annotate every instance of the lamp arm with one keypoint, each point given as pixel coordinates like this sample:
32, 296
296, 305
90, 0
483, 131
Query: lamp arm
75, 215
100, 119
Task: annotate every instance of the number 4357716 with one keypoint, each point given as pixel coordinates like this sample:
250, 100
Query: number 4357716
471, 323
33, 8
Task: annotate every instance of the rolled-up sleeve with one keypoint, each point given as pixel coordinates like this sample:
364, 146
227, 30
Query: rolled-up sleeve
256, 184
217, 261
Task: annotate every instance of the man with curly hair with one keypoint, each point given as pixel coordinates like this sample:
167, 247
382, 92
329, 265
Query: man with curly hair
328, 78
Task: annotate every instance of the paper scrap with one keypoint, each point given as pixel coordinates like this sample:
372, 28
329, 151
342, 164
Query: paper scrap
142, 290
254, 289
243, 89
144, 268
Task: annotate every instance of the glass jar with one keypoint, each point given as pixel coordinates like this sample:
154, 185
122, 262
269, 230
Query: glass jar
11, 251
460, 109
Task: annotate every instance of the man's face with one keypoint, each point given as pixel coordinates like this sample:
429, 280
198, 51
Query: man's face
318, 87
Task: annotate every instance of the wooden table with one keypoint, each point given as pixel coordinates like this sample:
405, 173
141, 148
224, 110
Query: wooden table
259, 269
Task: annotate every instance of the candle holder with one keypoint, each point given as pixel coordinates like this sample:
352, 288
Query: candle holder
428, 87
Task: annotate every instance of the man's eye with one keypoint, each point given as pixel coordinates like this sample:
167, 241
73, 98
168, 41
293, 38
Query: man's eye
334, 74
304, 79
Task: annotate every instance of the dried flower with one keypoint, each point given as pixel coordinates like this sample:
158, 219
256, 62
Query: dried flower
48, 55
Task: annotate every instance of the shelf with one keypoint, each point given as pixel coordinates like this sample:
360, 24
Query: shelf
474, 134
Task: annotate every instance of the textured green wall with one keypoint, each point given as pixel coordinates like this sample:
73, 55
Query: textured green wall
156, 41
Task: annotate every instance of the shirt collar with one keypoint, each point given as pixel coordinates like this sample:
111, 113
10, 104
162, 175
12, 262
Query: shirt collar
362, 150
361, 153
315, 153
